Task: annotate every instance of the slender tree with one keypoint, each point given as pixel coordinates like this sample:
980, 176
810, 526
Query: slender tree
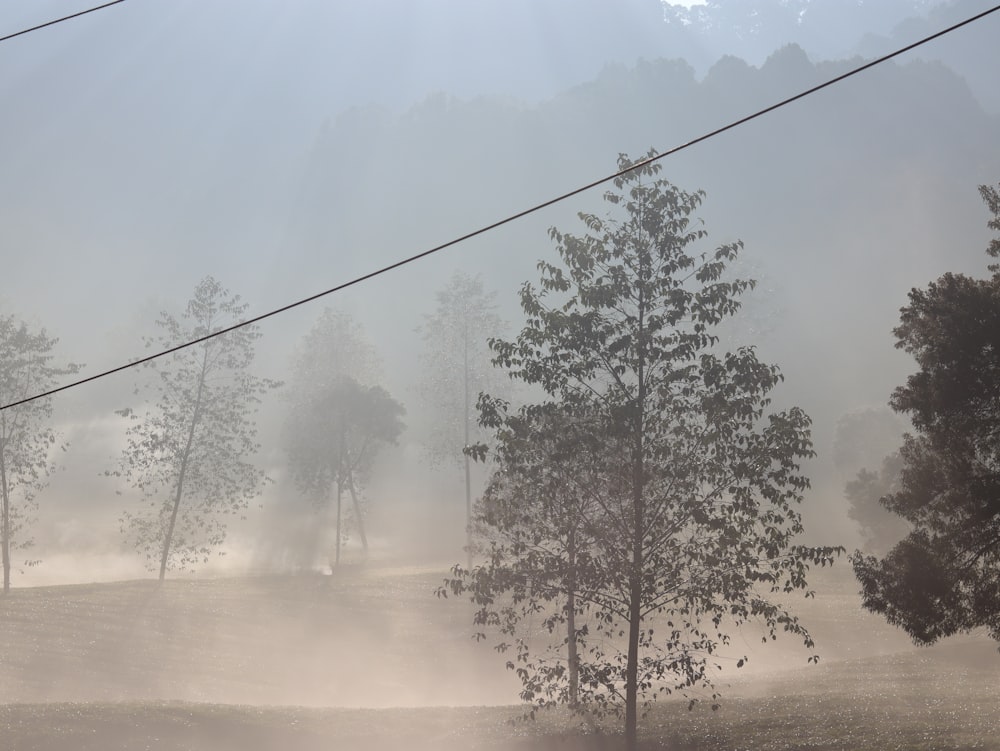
26, 436
457, 368
538, 524
699, 482
189, 451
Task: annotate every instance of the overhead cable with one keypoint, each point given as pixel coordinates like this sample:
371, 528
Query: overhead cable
60, 20
511, 218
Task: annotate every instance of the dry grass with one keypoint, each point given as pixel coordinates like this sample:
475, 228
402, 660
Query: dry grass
251, 664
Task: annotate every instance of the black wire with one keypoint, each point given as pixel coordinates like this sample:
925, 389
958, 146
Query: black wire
60, 20
511, 218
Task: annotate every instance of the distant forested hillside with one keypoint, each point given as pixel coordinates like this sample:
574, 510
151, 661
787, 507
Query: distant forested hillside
845, 200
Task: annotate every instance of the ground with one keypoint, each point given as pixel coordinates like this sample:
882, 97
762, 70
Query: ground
257, 663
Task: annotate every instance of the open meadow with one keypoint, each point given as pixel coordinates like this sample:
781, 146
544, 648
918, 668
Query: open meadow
370, 659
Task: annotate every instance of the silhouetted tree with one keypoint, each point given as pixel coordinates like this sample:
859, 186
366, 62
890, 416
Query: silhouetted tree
188, 452
26, 437
880, 528
943, 577
336, 424
698, 484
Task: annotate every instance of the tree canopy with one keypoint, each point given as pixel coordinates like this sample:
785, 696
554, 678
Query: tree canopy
942, 578
337, 424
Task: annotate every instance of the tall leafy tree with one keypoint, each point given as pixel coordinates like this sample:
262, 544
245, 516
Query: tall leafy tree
698, 482
332, 440
27, 438
456, 369
943, 577
189, 450
337, 423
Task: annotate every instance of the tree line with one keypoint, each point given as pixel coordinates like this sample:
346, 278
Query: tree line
191, 439
641, 505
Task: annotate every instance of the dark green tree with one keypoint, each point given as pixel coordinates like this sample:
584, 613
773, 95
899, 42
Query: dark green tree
189, 451
27, 437
942, 578
699, 483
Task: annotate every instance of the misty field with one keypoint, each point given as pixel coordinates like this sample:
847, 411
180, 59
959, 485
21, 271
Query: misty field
369, 659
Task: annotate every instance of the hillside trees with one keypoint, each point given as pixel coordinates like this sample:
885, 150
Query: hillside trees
189, 451
880, 529
456, 368
866, 455
337, 423
942, 578
864, 437
27, 367
696, 483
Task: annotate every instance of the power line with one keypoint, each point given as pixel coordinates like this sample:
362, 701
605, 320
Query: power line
512, 217
59, 20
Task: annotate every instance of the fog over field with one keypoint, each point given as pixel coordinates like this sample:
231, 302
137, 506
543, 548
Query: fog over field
283, 149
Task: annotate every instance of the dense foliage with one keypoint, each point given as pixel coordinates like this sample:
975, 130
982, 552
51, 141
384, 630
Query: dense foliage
942, 578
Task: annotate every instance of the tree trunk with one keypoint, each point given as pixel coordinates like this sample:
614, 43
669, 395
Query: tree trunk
6, 521
357, 511
185, 459
468, 471
639, 520
632, 667
169, 537
572, 657
468, 512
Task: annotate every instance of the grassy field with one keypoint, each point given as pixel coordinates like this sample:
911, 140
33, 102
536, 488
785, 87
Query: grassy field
256, 664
